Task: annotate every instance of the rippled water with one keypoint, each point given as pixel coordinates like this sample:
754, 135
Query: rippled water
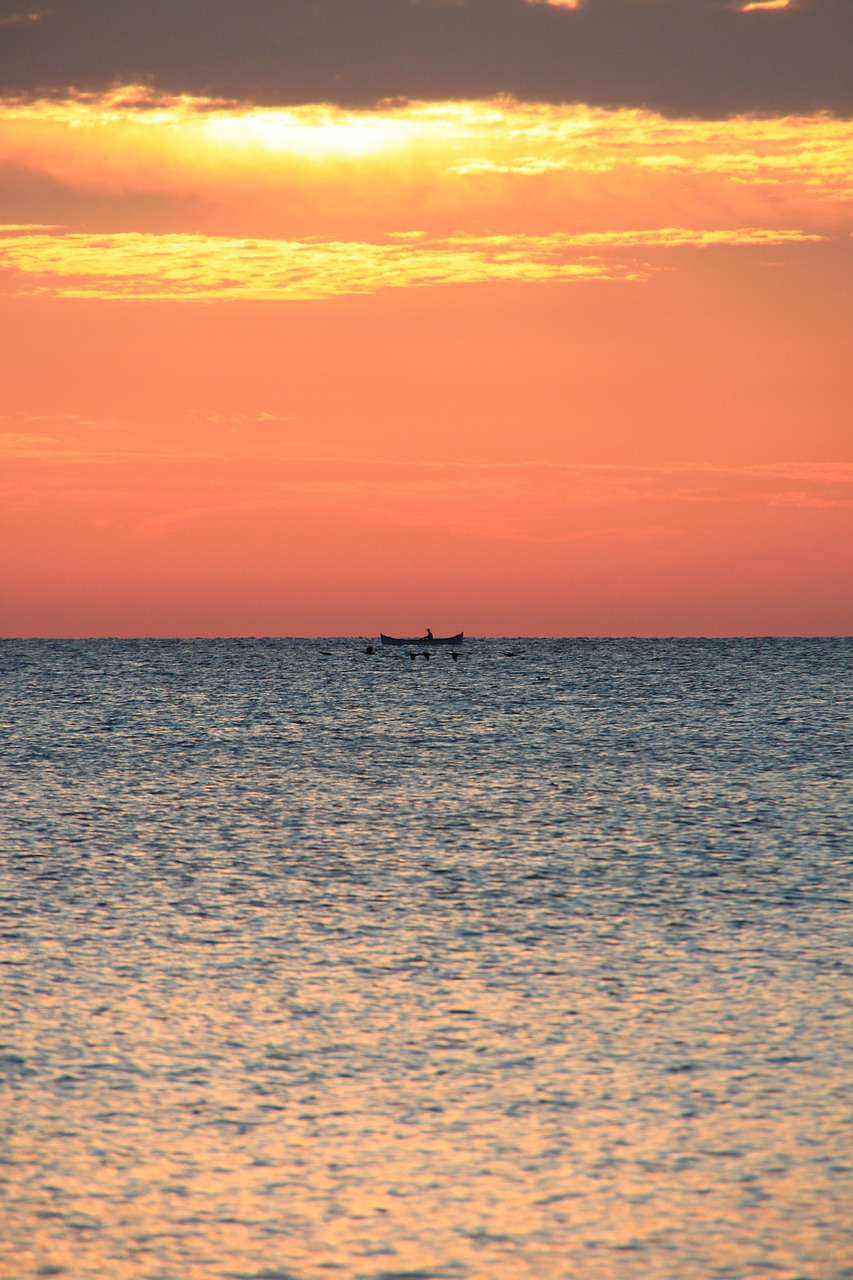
534, 964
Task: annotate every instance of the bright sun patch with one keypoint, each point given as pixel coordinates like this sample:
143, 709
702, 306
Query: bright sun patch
557, 4
757, 6
310, 135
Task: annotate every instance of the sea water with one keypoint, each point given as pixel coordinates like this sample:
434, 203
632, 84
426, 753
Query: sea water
325, 963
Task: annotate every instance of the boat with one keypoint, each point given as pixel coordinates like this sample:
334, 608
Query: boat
427, 640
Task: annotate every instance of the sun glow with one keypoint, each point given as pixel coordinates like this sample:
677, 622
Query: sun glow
500, 136
310, 135
480, 166
759, 6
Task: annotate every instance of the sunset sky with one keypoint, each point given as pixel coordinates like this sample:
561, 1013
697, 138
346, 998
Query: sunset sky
322, 317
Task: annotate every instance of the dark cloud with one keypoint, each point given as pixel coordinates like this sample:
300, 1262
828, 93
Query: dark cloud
699, 57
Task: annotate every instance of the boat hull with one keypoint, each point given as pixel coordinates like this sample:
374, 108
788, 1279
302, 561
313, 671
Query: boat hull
422, 641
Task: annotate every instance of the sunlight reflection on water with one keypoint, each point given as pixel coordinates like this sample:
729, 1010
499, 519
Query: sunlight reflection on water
352, 965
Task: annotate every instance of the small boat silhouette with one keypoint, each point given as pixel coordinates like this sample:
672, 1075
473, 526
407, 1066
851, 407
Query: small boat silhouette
422, 640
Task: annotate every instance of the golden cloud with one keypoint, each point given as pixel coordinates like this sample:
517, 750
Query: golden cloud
211, 268
133, 139
758, 6
314, 201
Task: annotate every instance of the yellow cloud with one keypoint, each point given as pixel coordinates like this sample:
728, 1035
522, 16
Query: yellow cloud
132, 139
314, 201
757, 6
208, 268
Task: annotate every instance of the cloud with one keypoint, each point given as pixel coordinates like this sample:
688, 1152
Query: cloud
404, 196
132, 122
130, 265
20, 19
154, 493
477, 167
824, 483
263, 419
688, 57
158, 489
26, 444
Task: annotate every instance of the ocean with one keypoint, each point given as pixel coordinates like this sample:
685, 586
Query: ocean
533, 965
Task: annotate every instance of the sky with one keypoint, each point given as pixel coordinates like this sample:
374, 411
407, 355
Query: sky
517, 317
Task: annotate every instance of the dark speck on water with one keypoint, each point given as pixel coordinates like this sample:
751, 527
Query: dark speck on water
471, 969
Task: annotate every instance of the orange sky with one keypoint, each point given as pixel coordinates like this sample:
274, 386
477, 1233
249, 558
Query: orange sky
517, 368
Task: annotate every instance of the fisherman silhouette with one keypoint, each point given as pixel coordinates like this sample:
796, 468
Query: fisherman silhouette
429, 634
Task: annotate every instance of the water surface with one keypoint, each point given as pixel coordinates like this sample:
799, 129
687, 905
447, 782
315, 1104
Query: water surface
530, 965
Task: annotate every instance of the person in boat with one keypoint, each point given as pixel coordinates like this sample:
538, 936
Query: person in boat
429, 633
